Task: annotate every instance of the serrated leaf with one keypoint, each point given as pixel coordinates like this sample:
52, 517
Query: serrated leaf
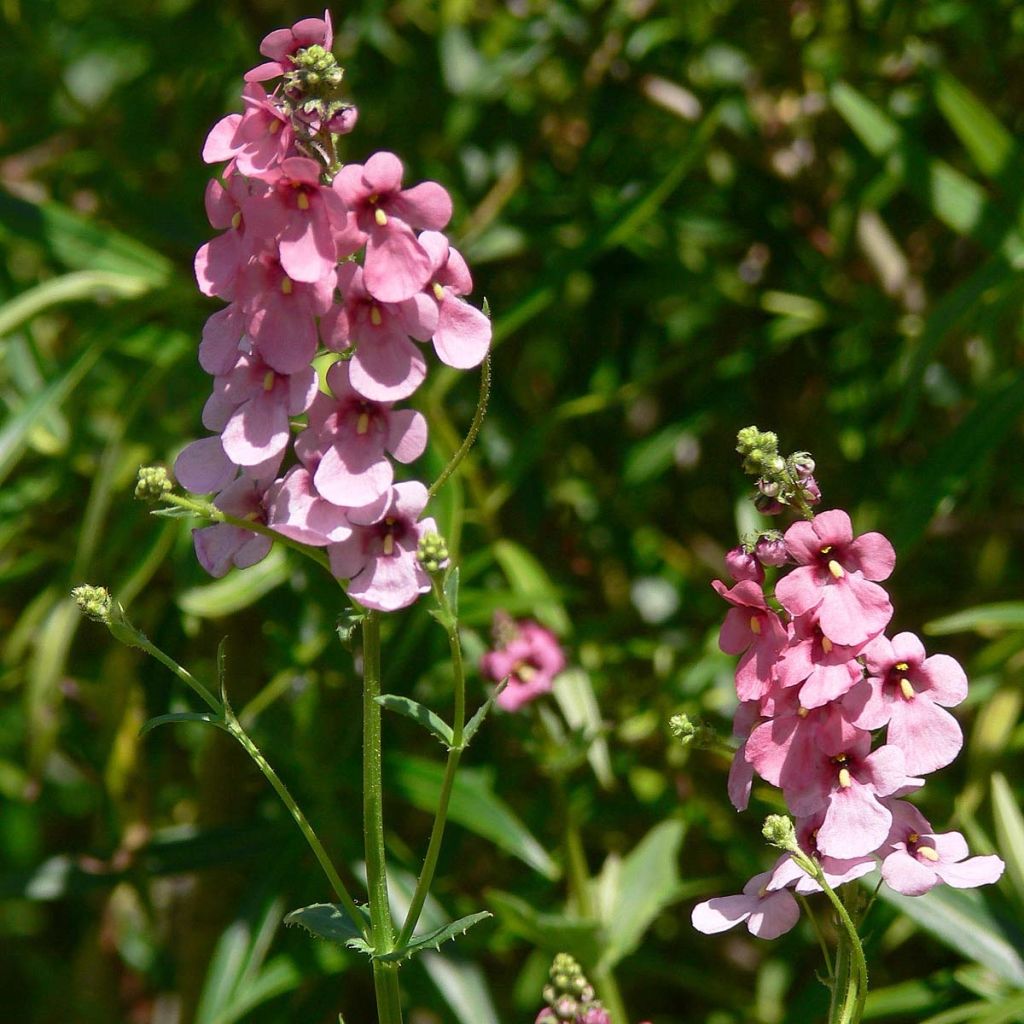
182, 716
555, 933
418, 713
648, 882
1009, 831
481, 713
434, 939
329, 921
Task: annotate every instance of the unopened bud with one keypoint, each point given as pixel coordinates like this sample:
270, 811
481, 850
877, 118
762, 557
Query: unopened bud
780, 831
742, 565
432, 552
771, 549
746, 439
93, 601
801, 464
153, 483
682, 728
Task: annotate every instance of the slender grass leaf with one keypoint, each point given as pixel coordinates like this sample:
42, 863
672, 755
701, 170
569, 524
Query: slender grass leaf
986, 619
474, 805
527, 576
574, 692
182, 716
236, 591
989, 144
415, 711
433, 939
960, 919
583, 938
1009, 831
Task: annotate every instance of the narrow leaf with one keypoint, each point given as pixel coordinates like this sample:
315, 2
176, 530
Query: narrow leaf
527, 576
989, 144
582, 937
182, 716
418, 713
481, 713
433, 939
985, 618
1009, 831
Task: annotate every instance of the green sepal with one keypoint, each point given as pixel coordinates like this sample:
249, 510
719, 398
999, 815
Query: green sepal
481, 713
433, 939
174, 512
329, 921
183, 716
418, 713
348, 622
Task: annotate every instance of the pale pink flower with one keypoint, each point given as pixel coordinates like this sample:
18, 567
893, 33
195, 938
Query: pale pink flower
283, 43
752, 629
295, 509
255, 141
222, 338
837, 870
825, 670
768, 912
529, 656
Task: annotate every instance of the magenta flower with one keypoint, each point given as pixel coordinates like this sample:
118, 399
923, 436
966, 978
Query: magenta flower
386, 365
768, 912
835, 575
281, 44
383, 215
752, 629
917, 859
353, 435
255, 141
251, 405
529, 657
379, 559
908, 691
825, 670
837, 870
301, 216
463, 333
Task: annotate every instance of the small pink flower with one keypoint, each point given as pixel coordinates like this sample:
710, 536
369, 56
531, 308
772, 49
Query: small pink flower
741, 771
223, 545
379, 559
904, 690
529, 656
295, 509
768, 912
222, 336
383, 215
835, 575
917, 859
752, 629
255, 141
823, 670
283, 43
837, 870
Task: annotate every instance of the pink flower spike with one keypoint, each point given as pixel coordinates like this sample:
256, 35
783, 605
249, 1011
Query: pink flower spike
379, 560
768, 913
836, 575
528, 656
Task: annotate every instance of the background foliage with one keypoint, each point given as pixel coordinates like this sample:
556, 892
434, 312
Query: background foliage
687, 216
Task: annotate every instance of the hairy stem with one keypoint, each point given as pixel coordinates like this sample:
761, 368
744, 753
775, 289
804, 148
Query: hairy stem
474, 428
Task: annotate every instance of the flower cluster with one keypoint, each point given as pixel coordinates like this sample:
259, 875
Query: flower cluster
818, 682
525, 654
315, 259
570, 997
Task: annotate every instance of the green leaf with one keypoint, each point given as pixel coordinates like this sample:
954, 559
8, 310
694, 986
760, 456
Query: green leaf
474, 805
528, 578
349, 621
1009, 831
434, 938
648, 881
237, 590
327, 921
451, 591
989, 144
556, 933
418, 713
222, 674
481, 713
183, 716
985, 619
574, 693
960, 919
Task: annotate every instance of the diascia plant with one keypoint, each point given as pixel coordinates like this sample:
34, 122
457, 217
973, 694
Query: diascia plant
345, 264
842, 718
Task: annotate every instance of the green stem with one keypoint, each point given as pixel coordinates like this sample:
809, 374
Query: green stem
236, 730
474, 428
389, 1007
143, 642
423, 883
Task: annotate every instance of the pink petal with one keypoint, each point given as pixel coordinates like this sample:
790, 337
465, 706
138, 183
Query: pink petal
353, 477
873, 555
407, 434
721, 913
800, 590
388, 370
833, 528
390, 583
929, 737
203, 467
945, 679
396, 266
222, 333
463, 334
855, 823
906, 874
970, 873
426, 205
853, 609
803, 543
382, 173
220, 143
741, 778
257, 431
777, 914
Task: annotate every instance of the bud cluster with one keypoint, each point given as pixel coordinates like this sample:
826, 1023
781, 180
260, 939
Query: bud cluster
781, 481
569, 996
338, 264
818, 682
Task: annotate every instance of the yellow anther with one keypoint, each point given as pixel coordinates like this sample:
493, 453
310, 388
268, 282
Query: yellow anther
755, 625
376, 317
373, 198
275, 126
913, 837
802, 712
844, 778
363, 423
236, 218
901, 666
390, 521
836, 569
268, 380
762, 892
389, 543
438, 292
286, 285
826, 645
380, 217
525, 672
303, 201
928, 853
906, 689
826, 549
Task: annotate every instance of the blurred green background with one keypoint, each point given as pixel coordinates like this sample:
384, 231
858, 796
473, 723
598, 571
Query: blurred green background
686, 216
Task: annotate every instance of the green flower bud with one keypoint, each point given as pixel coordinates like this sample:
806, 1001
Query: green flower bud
153, 483
432, 552
746, 439
682, 728
780, 831
95, 602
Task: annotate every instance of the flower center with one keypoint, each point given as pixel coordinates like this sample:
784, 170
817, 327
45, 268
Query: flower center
376, 317
363, 423
755, 625
303, 201
438, 291
826, 645
389, 536
524, 670
286, 285
844, 772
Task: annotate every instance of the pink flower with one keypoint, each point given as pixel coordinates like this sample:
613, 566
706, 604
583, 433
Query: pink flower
379, 559
386, 365
383, 215
223, 545
917, 859
257, 140
353, 435
837, 870
834, 574
741, 771
752, 629
529, 656
742, 565
281, 44
463, 333
768, 912
218, 261
825, 669
904, 690
222, 336
296, 510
